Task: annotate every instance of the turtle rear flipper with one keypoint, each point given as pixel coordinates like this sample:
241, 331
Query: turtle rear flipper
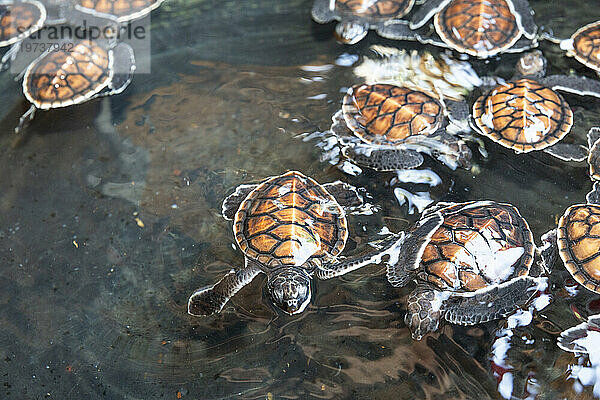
568, 151
211, 299
383, 159
396, 30
321, 11
123, 66
400, 272
491, 303
233, 201
573, 84
346, 195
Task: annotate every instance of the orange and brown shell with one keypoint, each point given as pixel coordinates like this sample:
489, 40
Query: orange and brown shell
480, 28
290, 220
586, 45
120, 10
579, 244
387, 114
523, 115
478, 244
19, 20
70, 75
376, 10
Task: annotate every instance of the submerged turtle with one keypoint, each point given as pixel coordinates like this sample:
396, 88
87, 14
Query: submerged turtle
526, 114
471, 262
290, 228
19, 20
119, 11
75, 73
481, 28
584, 45
357, 16
386, 127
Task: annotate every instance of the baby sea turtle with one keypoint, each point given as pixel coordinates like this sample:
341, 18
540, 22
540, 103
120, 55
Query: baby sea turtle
386, 127
527, 114
19, 20
119, 11
584, 45
357, 16
471, 262
481, 28
290, 228
75, 72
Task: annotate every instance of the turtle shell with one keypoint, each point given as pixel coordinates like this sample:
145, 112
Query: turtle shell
290, 220
523, 115
480, 28
387, 114
579, 244
478, 244
376, 10
586, 45
70, 75
19, 20
120, 10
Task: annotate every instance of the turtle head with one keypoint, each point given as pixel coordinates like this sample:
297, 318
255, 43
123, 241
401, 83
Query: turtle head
532, 64
350, 32
289, 289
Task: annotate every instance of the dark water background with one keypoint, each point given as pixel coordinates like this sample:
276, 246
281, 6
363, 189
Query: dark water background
92, 303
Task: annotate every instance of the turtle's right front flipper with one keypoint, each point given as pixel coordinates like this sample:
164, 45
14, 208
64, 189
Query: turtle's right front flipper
234, 200
345, 194
211, 299
383, 159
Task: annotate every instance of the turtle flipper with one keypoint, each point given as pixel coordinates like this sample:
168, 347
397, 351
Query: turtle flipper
426, 12
594, 154
211, 299
124, 67
549, 250
458, 111
570, 339
424, 310
321, 12
492, 302
400, 272
233, 201
384, 158
346, 195
593, 197
523, 9
388, 246
573, 84
396, 30
567, 151
593, 135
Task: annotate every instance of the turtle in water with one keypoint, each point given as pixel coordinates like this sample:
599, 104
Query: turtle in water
527, 114
19, 20
75, 72
357, 16
387, 127
290, 228
481, 28
472, 263
118, 11
584, 45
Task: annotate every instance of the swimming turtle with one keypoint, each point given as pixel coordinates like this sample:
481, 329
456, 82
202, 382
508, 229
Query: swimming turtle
357, 16
290, 228
75, 72
18, 20
584, 45
471, 261
527, 114
481, 28
119, 11
387, 127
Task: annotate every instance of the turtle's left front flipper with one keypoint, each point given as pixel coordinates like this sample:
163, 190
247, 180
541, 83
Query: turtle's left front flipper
573, 84
384, 158
346, 195
491, 303
568, 151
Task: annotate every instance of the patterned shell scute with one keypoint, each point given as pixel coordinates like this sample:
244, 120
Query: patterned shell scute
290, 220
479, 244
375, 9
586, 45
123, 9
579, 244
480, 28
523, 115
68, 76
387, 114
15, 19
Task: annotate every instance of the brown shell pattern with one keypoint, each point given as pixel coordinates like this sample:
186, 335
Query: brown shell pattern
388, 114
290, 220
579, 244
523, 115
480, 28
586, 44
16, 19
68, 76
120, 8
478, 245
375, 9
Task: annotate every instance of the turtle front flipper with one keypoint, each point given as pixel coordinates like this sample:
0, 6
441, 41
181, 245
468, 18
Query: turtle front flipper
396, 30
573, 84
491, 303
400, 272
593, 197
123, 67
568, 151
523, 10
594, 153
424, 310
233, 201
426, 12
211, 299
346, 195
548, 251
322, 12
383, 159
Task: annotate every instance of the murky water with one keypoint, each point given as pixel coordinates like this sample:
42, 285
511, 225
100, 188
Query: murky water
110, 218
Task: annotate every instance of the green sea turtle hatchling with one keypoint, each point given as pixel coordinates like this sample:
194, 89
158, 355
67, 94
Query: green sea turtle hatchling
19, 20
290, 228
481, 28
527, 114
584, 45
119, 11
358, 16
471, 262
75, 73
387, 127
